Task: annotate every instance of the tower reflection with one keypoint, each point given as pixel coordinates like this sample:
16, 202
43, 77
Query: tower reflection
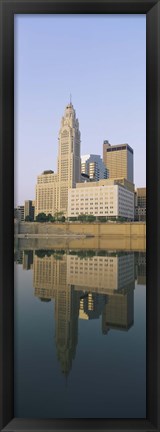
84, 286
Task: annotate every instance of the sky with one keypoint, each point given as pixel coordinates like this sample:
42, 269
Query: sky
101, 61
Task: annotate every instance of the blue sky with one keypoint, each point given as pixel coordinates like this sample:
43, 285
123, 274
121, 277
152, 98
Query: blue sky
101, 61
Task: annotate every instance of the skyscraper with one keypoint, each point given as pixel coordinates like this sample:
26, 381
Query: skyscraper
140, 204
69, 172
29, 209
118, 160
52, 188
93, 166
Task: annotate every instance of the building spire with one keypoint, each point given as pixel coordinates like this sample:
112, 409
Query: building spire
70, 99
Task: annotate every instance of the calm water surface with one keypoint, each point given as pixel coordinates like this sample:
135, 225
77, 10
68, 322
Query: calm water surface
80, 334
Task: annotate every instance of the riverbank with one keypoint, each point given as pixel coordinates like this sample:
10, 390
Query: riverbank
77, 229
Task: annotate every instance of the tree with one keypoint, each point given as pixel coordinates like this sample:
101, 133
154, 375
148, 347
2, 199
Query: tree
85, 254
82, 217
91, 218
50, 218
102, 218
28, 218
40, 253
58, 215
41, 217
122, 219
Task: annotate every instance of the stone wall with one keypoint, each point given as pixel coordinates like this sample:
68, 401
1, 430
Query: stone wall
133, 229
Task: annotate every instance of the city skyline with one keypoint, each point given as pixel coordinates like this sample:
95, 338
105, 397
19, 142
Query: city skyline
105, 72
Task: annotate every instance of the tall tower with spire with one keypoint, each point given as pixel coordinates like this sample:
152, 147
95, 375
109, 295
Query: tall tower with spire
52, 188
68, 156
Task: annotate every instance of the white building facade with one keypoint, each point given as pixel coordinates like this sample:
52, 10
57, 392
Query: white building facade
110, 201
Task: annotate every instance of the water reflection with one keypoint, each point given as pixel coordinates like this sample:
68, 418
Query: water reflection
140, 268
85, 285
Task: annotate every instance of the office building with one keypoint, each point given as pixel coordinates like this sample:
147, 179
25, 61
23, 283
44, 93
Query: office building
101, 199
118, 160
140, 204
124, 182
93, 166
46, 193
29, 209
84, 178
19, 213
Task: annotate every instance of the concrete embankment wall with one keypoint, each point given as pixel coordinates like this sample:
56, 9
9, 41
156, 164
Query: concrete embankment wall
133, 229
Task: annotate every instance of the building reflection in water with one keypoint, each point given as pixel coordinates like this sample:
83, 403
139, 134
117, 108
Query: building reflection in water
140, 268
87, 287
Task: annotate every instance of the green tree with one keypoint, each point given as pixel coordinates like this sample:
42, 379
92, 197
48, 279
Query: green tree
102, 218
91, 218
58, 215
63, 219
85, 254
28, 218
51, 218
41, 217
82, 218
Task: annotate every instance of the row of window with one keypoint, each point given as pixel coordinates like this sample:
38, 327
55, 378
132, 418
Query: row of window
105, 213
82, 208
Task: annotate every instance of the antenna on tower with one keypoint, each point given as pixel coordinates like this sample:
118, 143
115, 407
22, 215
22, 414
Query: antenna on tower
70, 99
